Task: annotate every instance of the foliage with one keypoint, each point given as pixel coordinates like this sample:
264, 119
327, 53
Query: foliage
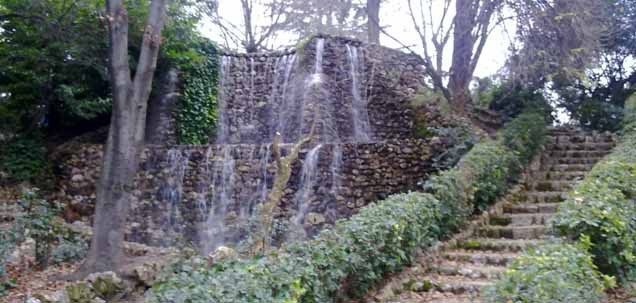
525, 135
357, 251
603, 207
461, 139
511, 100
351, 257
24, 158
54, 54
491, 166
66, 249
9, 238
37, 223
197, 114
554, 272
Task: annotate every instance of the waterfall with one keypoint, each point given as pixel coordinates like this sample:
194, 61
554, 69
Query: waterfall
335, 169
172, 190
286, 113
223, 125
308, 180
359, 112
214, 233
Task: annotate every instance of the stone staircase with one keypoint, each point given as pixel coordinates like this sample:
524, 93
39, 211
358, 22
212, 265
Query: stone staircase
460, 268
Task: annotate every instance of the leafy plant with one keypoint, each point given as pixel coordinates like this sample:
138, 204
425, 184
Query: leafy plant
197, 114
66, 250
554, 272
37, 223
24, 159
603, 208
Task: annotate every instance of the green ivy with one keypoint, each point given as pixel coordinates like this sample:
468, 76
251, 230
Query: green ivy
197, 114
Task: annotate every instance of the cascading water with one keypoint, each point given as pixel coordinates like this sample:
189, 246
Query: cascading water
296, 103
359, 112
215, 227
287, 110
308, 180
223, 127
172, 190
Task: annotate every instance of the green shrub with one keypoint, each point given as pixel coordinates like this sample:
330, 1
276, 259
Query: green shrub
453, 188
66, 250
491, 165
525, 135
603, 207
356, 253
24, 159
550, 273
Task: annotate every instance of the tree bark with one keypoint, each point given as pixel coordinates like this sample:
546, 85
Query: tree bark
373, 16
463, 42
126, 133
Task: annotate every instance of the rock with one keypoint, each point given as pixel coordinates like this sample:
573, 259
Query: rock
220, 254
23, 254
77, 178
106, 284
315, 219
80, 293
59, 296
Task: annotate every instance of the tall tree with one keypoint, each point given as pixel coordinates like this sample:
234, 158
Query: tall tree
126, 134
334, 17
469, 23
250, 33
373, 21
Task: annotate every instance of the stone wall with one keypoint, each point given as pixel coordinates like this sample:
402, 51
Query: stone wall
264, 93
174, 188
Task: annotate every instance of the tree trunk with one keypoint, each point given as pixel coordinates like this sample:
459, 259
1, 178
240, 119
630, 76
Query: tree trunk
126, 134
373, 16
463, 42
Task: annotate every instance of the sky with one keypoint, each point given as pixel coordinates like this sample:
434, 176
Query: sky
394, 16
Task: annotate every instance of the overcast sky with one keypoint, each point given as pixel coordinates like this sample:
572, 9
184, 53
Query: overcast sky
394, 16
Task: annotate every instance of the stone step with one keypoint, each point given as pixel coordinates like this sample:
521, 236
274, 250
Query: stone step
473, 271
457, 284
496, 258
580, 138
512, 232
498, 245
600, 146
552, 186
543, 197
571, 167
531, 208
560, 176
589, 160
458, 299
521, 219
578, 154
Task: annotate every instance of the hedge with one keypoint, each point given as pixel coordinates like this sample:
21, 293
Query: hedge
348, 259
550, 273
601, 213
603, 207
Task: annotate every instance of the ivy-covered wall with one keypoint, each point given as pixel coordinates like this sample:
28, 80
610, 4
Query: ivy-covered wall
197, 109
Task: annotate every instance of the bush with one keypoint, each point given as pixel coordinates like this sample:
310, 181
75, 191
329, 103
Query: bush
550, 273
511, 101
23, 158
355, 254
603, 207
525, 135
